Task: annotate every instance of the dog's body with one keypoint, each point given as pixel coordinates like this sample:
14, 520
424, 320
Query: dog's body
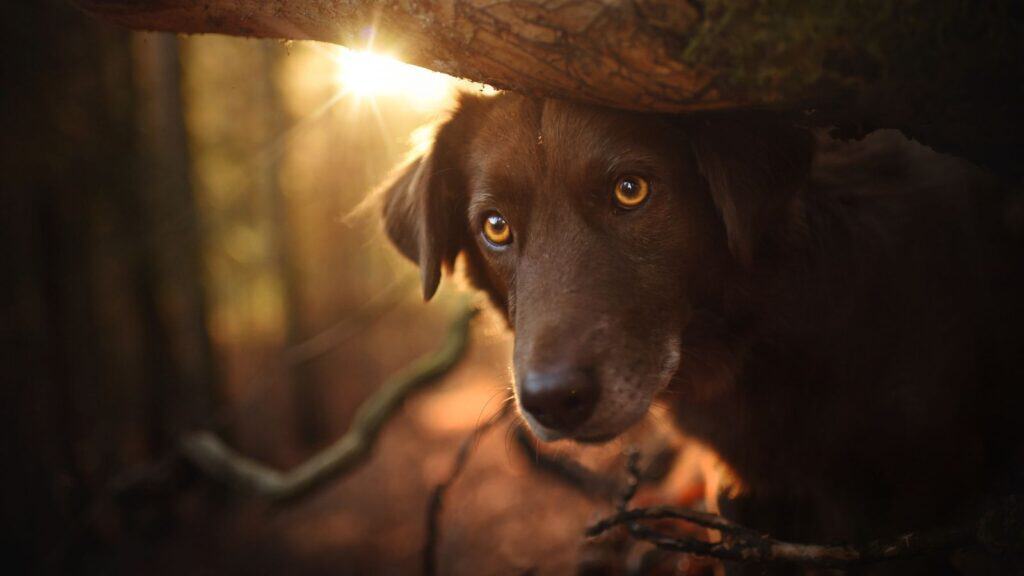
838, 321
868, 384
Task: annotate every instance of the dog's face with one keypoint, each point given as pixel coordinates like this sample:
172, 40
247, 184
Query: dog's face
597, 232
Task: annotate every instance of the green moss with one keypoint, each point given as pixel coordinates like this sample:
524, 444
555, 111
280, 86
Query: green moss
790, 48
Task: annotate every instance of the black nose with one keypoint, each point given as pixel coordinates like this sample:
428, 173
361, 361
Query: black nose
559, 399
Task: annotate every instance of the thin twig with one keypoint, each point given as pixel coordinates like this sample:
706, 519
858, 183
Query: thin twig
319, 345
763, 549
704, 519
590, 483
747, 545
333, 336
632, 478
436, 502
215, 458
999, 529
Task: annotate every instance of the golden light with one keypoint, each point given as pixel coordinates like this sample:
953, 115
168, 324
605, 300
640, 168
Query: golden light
369, 75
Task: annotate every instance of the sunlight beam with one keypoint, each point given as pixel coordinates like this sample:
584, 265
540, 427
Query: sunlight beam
367, 75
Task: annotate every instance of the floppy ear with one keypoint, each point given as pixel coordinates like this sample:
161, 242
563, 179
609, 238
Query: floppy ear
424, 206
753, 165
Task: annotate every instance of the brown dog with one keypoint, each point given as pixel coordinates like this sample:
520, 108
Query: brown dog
838, 321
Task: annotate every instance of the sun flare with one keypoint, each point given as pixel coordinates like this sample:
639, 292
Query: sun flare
369, 75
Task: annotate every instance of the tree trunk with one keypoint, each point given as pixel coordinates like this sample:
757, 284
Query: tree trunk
171, 230
945, 71
103, 334
307, 393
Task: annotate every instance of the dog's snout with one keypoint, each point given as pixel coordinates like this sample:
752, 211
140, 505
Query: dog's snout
560, 399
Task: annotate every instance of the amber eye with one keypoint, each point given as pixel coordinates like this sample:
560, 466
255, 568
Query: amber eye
497, 230
631, 191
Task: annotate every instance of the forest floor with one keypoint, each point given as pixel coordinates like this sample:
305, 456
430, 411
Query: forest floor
500, 517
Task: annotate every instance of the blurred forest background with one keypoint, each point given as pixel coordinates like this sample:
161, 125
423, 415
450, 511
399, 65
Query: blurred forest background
183, 248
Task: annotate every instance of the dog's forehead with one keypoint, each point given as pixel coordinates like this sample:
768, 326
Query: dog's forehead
523, 138
568, 128
506, 138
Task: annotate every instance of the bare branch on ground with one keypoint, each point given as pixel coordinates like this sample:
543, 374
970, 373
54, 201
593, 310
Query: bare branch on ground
215, 458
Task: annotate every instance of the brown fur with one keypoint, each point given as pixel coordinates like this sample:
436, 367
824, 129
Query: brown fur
840, 322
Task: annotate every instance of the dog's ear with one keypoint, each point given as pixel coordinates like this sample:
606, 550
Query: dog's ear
425, 204
753, 165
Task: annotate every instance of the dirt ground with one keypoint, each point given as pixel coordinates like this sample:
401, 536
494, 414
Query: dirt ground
501, 516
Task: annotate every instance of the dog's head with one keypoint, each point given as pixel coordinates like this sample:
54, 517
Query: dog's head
598, 233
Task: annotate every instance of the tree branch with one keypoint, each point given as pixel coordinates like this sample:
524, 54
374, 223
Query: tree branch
566, 470
668, 55
215, 458
617, 52
703, 519
588, 482
745, 545
999, 530
333, 336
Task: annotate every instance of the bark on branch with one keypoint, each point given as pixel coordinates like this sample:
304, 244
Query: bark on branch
947, 72
615, 52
